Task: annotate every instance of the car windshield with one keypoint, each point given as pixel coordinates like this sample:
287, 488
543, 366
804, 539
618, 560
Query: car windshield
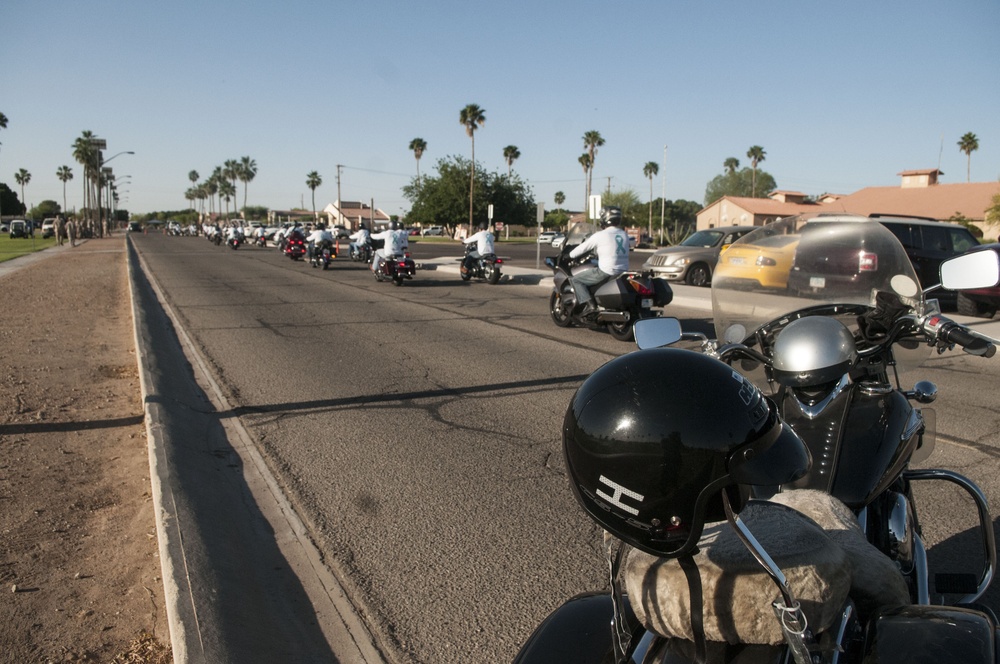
702, 239
827, 247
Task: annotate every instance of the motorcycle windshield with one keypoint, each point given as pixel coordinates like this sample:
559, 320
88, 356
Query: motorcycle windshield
579, 232
807, 261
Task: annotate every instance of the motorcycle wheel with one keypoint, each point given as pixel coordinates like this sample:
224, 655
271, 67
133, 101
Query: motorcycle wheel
398, 280
622, 331
560, 316
465, 275
494, 275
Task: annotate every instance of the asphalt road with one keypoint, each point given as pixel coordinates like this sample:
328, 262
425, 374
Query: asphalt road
416, 429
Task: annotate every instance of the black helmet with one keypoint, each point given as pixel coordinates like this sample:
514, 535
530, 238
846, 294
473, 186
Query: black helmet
483, 226
611, 216
393, 225
652, 437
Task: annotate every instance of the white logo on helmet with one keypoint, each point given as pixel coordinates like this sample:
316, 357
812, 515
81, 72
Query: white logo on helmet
616, 498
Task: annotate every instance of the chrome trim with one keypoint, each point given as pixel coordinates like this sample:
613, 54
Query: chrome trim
875, 389
985, 522
815, 410
901, 532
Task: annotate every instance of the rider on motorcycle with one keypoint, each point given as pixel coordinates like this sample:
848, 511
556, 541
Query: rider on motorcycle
361, 238
233, 233
396, 243
319, 238
611, 246
484, 246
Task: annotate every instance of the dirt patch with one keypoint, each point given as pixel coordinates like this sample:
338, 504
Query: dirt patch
79, 566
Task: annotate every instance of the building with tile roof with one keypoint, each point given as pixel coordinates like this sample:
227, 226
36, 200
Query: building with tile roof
351, 214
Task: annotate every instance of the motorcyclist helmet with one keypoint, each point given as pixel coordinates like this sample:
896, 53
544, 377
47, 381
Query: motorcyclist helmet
483, 226
394, 225
813, 351
611, 216
652, 438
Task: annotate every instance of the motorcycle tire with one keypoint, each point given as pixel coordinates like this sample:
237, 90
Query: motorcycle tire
560, 316
622, 331
465, 275
397, 280
494, 275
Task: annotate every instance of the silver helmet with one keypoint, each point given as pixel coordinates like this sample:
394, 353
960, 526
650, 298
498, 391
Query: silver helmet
813, 351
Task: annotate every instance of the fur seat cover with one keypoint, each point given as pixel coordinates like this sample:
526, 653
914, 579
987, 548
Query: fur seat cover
735, 595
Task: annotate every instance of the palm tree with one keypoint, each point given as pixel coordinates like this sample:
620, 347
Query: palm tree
313, 180
64, 173
731, 165
227, 190
22, 177
510, 155
472, 117
418, 145
756, 155
650, 170
585, 161
247, 172
968, 144
560, 198
3, 122
87, 156
591, 141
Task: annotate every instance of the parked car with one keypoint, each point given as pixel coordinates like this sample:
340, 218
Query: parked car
764, 264
928, 242
558, 240
48, 228
20, 228
546, 237
432, 230
980, 302
340, 231
693, 260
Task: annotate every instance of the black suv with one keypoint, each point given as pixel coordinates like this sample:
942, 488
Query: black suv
928, 242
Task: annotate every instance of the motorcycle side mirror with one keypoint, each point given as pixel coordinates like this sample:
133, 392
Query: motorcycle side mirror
978, 269
551, 262
657, 332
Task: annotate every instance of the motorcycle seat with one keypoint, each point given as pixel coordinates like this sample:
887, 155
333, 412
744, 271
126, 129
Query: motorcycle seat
823, 565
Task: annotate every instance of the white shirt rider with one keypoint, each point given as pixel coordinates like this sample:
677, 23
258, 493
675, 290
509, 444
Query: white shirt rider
484, 242
396, 242
611, 246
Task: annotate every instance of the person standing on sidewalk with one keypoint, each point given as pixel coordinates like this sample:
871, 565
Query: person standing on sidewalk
71, 232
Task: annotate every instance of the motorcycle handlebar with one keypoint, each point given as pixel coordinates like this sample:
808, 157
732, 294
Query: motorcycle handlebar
948, 331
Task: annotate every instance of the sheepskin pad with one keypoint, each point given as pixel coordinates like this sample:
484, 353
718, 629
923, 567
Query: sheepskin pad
735, 594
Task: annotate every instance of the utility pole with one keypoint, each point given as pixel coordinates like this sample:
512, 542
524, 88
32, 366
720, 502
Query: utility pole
340, 216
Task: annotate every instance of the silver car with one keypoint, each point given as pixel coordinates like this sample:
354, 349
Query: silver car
693, 260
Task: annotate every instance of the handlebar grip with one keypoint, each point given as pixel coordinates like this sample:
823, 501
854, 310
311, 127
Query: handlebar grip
973, 344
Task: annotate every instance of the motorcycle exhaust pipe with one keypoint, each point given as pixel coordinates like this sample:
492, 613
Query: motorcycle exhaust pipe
612, 317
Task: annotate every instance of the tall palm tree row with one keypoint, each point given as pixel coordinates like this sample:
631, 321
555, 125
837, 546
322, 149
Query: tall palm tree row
418, 146
65, 174
222, 183
88, 157
313, 180
246, 172
968, 144
756, 155
472, 117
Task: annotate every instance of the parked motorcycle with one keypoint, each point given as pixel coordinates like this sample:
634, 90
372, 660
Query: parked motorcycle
396, 269
486, 268
620, 302
295, 247
322, 254
828, 363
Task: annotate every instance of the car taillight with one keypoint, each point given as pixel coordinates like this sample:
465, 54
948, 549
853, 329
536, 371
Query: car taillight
867, 261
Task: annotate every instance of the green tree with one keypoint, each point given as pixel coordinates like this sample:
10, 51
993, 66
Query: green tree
418, 146
740, 183
65, 174
968, 144
731, 164
87, 156
22, 177
247, 172
231, 171
313, 180
756, 155
628, 200
591, 141
650, 170
439, 199
3, 122
992, 216
44, 210
510, 155
9, 200
472, 117
227, 192
559, 198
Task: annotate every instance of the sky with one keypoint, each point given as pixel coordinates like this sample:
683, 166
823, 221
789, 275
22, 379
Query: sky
840, 95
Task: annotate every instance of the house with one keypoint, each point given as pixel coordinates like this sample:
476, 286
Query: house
351, 214
919, 194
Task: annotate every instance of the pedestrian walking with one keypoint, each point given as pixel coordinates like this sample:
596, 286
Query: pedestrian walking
71, 232
60, 229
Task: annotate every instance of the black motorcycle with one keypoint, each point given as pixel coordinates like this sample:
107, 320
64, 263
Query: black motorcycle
620, 302
829, 364
234, 242
362, 253
485, 268
322, 254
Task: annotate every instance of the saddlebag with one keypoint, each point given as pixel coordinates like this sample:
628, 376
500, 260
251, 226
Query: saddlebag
664, 293
921, 634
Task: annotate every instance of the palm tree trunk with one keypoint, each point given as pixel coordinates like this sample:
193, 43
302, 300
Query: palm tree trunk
472, 181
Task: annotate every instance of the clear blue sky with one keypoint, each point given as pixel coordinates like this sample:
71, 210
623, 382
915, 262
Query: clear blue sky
840, 95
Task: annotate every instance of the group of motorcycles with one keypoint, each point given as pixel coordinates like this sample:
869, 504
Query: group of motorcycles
821, 371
